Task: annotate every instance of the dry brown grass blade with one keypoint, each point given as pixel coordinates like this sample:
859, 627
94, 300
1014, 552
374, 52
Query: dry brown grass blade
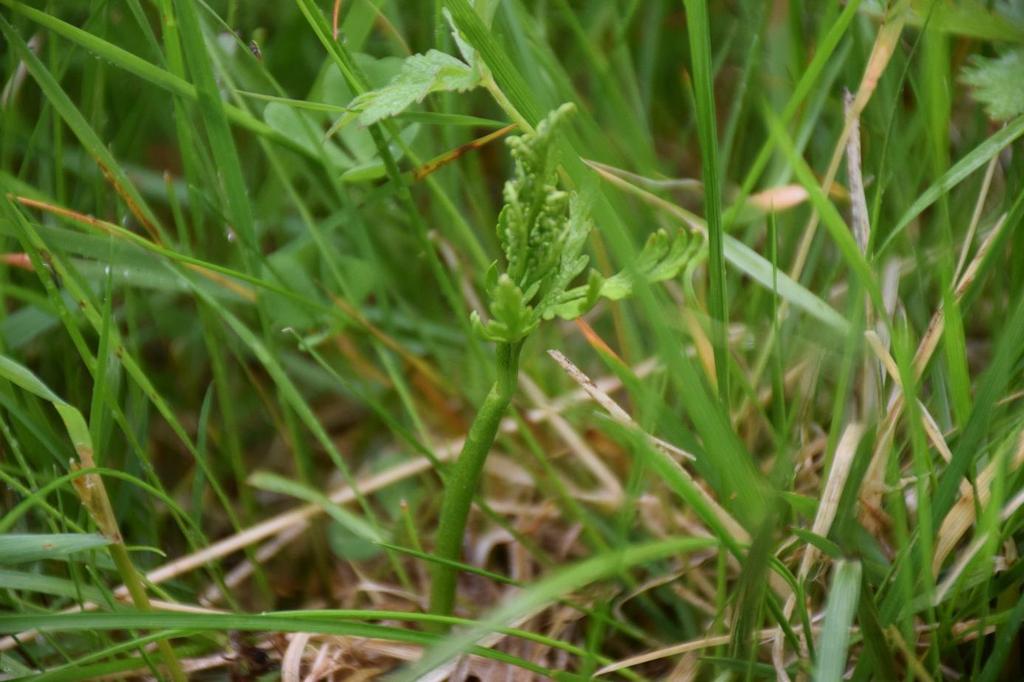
842, 460
931, 427
776, 199
881, 52
616, 412
962, 515
335, 17
611, 487
22, 261
764, 636
291, 664
297, 517
920, 672
613, 409
607, 384
595, 340
133, 207
951, 578
873, 486
858, 201
285, 527
979, 205
871, 383
443, 160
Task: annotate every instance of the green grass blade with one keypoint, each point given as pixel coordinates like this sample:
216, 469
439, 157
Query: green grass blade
16, 548
707, 128
549, 589
265, 480
834, 223
972, 161
147, 71
840, 610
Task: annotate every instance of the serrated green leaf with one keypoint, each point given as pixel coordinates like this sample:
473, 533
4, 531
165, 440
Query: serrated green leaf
465, 49
421, 75
998, 84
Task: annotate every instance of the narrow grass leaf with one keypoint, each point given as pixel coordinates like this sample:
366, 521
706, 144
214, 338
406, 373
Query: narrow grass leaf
49, 584
63, 104
549, 589
338, 623
707, 129
73, 420
1006, 637
147, 71
19, 548
834, 222
840, 610
960, 170
265, 480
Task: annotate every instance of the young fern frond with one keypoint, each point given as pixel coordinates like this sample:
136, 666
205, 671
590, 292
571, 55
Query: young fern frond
542, 230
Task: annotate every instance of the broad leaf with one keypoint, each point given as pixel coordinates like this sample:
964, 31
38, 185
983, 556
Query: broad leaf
303, 128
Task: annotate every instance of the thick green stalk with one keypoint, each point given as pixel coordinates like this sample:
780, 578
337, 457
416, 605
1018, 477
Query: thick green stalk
464, 478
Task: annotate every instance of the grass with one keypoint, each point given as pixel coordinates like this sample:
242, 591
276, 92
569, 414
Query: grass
238, 360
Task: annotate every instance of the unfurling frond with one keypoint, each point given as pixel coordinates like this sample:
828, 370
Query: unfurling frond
542, 230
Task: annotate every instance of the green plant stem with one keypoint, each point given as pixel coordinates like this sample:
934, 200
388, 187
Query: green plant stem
93, 494
464, 478
505, 104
